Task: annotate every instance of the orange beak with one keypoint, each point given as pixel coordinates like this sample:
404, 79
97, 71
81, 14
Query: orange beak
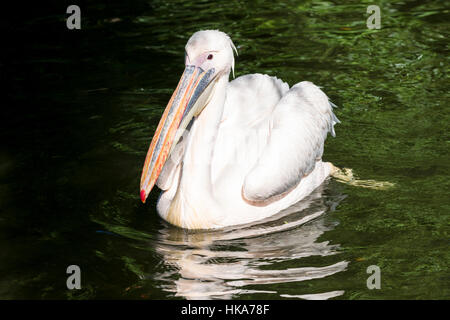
186, 101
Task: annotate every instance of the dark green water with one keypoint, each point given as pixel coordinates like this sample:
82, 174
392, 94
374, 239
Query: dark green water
81, 106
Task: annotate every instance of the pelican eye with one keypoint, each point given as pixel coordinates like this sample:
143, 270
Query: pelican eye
210, 56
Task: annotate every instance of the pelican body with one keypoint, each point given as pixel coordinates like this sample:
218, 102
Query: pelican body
230, 153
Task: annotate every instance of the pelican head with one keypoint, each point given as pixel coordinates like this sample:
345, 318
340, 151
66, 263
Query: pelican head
208, 57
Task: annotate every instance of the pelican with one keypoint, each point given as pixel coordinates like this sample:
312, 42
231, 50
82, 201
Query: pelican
232, 153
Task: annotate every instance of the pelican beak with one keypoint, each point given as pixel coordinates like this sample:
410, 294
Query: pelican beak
188, 100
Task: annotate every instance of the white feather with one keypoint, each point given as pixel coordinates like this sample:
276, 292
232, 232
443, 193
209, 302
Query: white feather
299, 125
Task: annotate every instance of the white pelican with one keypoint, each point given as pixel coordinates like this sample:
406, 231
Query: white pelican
229, 153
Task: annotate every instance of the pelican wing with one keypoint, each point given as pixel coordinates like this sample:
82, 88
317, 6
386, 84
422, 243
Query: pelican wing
243, 132
299, 125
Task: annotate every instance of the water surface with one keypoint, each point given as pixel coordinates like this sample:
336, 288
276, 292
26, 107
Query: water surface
83, 105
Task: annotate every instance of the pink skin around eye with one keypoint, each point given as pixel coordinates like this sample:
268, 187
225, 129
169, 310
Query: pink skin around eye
200, 59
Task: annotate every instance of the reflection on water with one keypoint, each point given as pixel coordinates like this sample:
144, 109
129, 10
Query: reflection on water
241, 260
